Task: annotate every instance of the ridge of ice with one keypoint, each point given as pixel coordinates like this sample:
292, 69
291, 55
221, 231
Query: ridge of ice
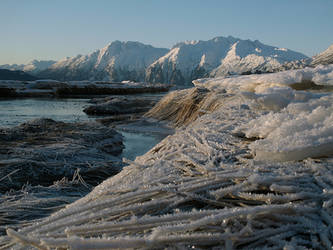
322, 75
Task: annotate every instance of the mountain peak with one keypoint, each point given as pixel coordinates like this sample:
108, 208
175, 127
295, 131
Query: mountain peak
219, 56
117, 61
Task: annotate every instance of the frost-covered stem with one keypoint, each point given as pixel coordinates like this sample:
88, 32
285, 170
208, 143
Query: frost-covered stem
103, 213
24, 240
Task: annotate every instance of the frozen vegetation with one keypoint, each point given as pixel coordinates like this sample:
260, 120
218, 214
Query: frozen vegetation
252, 169
45, 164
325, 57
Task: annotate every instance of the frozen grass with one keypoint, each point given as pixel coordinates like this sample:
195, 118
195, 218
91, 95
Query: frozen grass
20, 207
197, 188
43, 150
200, 188
184, 106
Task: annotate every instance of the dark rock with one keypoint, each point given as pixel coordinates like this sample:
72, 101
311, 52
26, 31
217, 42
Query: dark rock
121, 105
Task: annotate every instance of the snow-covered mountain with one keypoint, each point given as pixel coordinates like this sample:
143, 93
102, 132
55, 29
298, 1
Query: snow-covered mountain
33, 67
184, 62
220, 56
12, 66
325, 57
116, 62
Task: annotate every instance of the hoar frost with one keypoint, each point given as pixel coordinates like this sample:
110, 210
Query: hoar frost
200, 187
298, 131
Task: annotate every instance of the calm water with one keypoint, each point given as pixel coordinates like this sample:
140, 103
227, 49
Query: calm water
14, 112
139, 143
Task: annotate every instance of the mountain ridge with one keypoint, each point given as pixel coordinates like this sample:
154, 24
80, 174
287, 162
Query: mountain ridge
6, 74
184, 62
33, 67
115, 62
220, 56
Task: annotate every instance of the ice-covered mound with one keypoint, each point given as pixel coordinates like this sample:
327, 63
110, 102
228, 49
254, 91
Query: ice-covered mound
301, 127
276, 98
299, 131
321, 75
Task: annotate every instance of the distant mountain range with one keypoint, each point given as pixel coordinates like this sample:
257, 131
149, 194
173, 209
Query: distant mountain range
181, 64
33, 67
6, 74
220, 56
117, 61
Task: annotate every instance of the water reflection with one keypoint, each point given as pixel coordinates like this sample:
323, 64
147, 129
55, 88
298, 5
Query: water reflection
14, 112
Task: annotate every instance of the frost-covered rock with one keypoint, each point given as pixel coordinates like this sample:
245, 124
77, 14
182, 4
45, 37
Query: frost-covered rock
121, 105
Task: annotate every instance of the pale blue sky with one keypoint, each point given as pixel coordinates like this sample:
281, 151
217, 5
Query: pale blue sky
53, 29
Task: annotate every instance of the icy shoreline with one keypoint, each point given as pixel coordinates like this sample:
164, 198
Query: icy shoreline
204, 187
75, 89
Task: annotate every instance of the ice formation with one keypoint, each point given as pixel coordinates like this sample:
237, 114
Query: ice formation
321, 75
203, 186
299, 131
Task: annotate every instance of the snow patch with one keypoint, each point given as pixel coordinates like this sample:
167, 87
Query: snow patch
321, 75
299, 131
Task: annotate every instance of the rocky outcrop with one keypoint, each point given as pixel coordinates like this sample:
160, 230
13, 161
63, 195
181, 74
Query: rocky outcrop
121, 105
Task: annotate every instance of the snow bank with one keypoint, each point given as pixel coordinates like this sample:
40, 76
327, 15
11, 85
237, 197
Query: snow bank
299, 131
302, 124
321, 75
276, 98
